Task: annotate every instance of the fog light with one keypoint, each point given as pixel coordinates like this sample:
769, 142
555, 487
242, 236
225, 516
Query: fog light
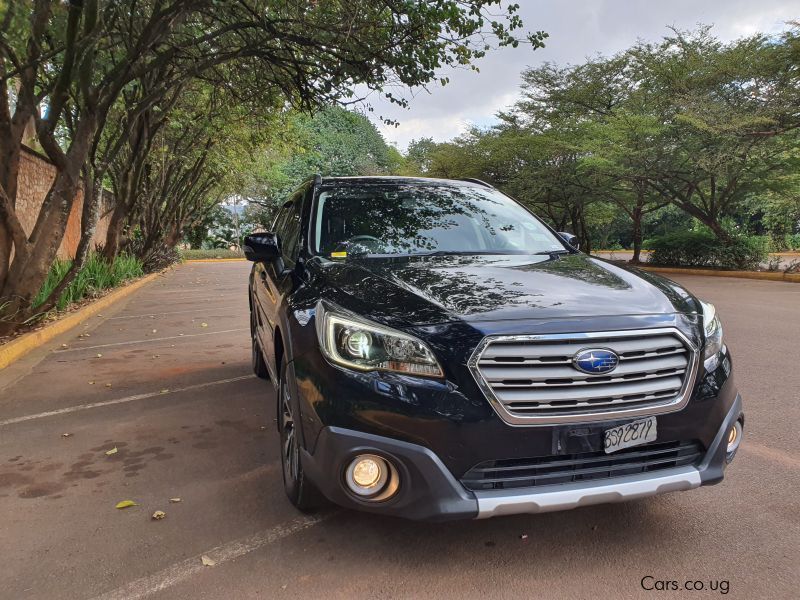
371, 477
734, 439
366, 473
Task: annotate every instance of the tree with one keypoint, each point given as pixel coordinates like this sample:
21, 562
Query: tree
332, 142
724, 111
689, 121
77, 58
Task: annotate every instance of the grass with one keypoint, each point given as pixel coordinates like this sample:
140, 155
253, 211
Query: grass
97, 275
213, 253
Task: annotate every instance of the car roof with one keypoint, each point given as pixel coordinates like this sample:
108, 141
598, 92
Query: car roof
398, 180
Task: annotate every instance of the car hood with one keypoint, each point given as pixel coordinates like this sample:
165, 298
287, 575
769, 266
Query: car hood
411, 291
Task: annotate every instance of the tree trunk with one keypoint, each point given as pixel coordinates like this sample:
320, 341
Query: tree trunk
92, 197
636, 216
114, 235
27, 273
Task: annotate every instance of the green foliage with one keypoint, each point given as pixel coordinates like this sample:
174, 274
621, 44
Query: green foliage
210, 253
703, 249
97, 275
332, 142
657, 138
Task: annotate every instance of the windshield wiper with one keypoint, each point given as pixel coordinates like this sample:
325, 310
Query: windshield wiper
552, 252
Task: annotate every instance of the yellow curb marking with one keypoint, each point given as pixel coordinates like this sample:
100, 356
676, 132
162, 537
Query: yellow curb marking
16, 349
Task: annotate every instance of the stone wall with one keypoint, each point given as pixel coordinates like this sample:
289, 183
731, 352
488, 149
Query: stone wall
36, 174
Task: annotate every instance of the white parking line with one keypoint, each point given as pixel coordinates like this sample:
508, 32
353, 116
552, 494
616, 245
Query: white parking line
158, 314
79, 407
181, 571
144, 341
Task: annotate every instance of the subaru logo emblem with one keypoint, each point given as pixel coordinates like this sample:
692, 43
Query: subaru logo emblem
595, 361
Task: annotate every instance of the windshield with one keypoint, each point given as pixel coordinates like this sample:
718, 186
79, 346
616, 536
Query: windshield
425, 219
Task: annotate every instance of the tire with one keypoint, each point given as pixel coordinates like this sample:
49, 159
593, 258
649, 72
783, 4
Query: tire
257, 357
300, 491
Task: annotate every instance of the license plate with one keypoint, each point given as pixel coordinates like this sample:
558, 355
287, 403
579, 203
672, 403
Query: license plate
634, 433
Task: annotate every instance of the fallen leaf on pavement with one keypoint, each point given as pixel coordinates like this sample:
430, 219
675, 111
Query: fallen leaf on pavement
126, 504
108, 385
112, 451
173, 500
91, 383
159, 514
99, 356
165, 390
66, 434
64, 346
203, 324
207, 561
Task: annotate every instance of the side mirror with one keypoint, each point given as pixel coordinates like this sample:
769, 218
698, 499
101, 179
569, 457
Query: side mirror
260, 247
572, 240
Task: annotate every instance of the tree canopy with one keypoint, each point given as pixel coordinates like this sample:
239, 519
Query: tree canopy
99, 80
687, 124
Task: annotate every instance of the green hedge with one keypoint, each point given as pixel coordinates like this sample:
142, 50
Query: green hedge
212, 253
703, 249
96, 275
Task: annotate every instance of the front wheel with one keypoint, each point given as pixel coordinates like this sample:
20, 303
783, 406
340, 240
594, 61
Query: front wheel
300, 491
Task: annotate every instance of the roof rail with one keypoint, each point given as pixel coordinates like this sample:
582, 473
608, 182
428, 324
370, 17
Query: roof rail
478, 181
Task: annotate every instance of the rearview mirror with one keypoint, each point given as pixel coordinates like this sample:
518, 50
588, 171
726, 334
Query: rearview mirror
572, 240
261, 247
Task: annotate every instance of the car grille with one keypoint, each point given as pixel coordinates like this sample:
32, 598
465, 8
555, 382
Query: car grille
551, 470
532, 377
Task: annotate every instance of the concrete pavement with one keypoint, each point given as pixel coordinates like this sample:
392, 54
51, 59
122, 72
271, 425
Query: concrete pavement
165, 379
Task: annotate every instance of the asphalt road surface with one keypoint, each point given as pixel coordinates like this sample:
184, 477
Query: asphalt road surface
165, 379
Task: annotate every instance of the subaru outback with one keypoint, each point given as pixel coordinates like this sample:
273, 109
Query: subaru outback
439, 352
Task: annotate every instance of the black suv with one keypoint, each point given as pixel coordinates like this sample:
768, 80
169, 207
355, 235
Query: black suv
439, 352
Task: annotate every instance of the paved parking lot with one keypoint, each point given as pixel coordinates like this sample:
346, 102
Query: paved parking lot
165, 379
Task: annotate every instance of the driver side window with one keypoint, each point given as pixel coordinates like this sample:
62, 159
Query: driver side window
290, 231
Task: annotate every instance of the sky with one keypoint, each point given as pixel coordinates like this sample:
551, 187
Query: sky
577, 29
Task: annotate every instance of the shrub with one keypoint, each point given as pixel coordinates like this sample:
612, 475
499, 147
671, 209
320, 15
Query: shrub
96, 275
211, 253
703, 249
158, 257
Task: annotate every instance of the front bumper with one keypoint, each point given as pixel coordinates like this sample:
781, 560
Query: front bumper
428, 489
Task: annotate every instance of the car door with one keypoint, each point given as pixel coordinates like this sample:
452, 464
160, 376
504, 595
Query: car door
273, 281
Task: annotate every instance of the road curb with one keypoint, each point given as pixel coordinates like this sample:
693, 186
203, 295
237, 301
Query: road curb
213, 260
762, 275
19, 347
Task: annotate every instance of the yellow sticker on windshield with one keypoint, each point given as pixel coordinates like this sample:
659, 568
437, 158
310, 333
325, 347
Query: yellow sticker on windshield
338, 254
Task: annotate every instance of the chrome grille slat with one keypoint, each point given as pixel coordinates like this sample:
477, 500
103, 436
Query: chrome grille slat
614, 390
554, 385
531, 378
541, 374
569, 348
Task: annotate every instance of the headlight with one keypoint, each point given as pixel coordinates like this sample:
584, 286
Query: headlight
712, 329
353, 342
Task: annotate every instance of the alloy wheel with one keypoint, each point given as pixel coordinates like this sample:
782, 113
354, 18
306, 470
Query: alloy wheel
289, 447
